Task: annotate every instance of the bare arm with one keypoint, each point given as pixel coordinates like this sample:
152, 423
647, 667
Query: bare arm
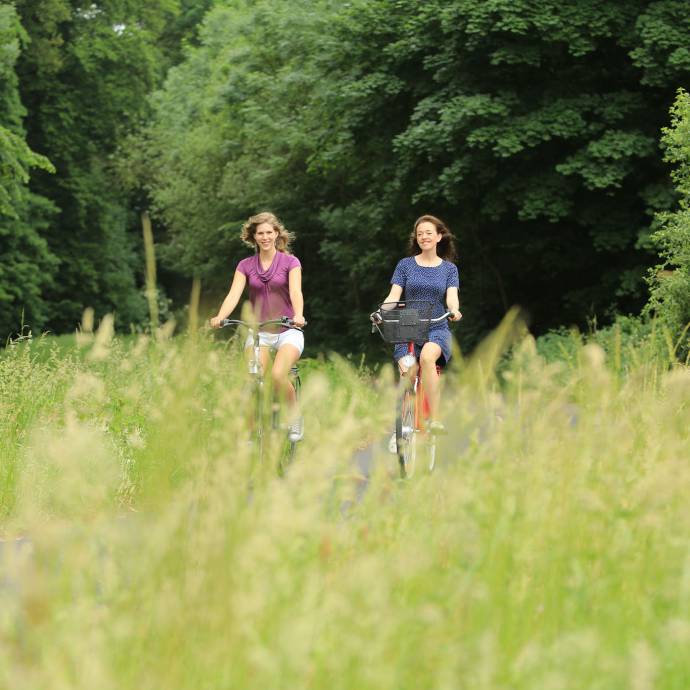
239, 280
453, 303
393, 296
296, 297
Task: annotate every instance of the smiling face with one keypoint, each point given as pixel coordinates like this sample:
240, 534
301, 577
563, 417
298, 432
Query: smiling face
427, 235
265, 236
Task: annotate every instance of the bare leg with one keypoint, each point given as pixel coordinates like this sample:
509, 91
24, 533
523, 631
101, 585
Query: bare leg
430, 379
285, 359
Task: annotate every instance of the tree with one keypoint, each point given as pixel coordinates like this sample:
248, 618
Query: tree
27, 265
670, 281
531, 128
227, 139
84, 78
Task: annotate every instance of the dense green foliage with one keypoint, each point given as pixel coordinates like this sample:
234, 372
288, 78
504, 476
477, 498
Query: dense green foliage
84, 79
532, 130
70, 236
549, 550
27, 263
671, 281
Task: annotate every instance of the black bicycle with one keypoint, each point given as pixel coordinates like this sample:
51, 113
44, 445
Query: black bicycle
256, 377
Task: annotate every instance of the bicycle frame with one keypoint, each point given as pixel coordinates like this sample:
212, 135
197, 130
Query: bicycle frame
422, 406
407, 430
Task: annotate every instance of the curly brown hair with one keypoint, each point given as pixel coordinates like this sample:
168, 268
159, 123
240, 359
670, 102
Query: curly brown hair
445, 248
249, 231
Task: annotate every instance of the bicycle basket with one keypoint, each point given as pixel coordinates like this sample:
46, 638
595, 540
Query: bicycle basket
404, 322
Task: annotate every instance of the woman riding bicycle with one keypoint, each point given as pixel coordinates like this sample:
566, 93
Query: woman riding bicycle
429, 274
274, 277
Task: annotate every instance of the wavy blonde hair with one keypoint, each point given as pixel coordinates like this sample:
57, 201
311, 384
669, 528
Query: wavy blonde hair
249, 231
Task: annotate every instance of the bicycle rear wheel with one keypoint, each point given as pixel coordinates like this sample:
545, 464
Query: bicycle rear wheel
289, 449
405, 433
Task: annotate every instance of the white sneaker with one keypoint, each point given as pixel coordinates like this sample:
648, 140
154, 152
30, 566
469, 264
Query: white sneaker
436, 427
393, 444
296, 430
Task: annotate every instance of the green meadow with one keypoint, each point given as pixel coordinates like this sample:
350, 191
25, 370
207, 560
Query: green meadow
144, 548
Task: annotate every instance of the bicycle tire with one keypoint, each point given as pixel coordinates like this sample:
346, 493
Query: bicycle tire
405, 433
287, 456
259, 421
431, 453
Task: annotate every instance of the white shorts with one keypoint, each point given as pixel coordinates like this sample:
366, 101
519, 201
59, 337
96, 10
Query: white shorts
276, 340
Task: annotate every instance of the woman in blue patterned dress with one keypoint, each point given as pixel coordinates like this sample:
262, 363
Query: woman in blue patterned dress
429, 274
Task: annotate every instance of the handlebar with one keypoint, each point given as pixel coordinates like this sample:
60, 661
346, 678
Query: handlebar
284, 321
376, 318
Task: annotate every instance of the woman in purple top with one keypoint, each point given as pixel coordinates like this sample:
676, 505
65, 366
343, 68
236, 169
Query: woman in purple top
274, 278
429, 274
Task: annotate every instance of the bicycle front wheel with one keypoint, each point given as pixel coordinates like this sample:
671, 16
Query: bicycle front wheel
431, 453
405, 433
259, 421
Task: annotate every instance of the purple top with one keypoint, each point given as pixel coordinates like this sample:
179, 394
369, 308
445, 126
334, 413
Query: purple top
269, 290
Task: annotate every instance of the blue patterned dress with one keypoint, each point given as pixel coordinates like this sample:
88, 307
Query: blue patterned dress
428, 284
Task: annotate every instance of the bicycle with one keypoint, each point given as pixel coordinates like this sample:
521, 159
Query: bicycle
256, 375
409, 322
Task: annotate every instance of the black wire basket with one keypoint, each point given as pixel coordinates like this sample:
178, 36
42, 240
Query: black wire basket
406, 321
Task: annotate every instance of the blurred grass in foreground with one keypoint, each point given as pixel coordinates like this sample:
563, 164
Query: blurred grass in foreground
549, 550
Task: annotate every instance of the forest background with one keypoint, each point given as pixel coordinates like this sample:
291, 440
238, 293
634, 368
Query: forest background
536, 130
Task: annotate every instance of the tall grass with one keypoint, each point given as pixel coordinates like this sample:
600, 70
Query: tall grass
549, 550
